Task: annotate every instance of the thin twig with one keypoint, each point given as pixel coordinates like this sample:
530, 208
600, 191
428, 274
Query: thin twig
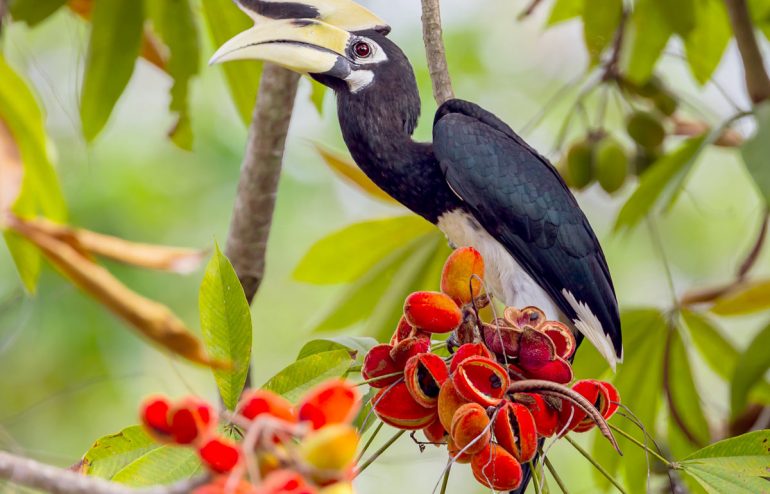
435, 52
596, 465
33, 474
370, 441
643, 446
555, 474
755, 75
611, 70
445, 482
529, 10
379, 452
676, 414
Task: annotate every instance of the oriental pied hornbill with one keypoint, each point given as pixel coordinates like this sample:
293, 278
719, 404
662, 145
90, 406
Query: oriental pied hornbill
479, 182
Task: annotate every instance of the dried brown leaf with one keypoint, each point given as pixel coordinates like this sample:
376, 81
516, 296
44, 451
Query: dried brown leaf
348, 170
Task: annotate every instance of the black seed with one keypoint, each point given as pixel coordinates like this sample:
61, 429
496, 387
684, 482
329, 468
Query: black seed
495, 381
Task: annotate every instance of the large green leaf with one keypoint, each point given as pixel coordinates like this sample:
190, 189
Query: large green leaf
224, 21
33, 11
648, 36
116, 36
358, 346
305, 373
564, 10
226, 325
654, 181
707, 41
754, 297
110, 454
685, 403
357, 248
600, 21
174, 22
164, 465
739, 465
756, 151
751, 368
680, 15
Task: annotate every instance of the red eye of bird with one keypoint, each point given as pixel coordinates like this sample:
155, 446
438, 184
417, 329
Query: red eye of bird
362, 49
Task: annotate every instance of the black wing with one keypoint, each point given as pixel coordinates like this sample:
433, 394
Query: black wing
522, 201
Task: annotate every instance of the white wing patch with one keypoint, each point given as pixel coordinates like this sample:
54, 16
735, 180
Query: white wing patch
588, 324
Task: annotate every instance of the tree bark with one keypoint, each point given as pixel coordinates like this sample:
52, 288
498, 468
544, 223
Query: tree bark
255, 201
435, 52
757, 81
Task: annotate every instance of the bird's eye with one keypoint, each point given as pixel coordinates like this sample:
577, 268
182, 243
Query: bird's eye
362, 49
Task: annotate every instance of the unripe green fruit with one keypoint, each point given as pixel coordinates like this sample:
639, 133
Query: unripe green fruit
580, 164
611, 164
665, 103
651, 88
646, 129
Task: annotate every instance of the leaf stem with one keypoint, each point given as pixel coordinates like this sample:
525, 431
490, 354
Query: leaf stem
445, 482
379, 452
596, 465
535, 476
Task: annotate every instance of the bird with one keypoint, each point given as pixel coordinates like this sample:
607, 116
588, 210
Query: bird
478, 181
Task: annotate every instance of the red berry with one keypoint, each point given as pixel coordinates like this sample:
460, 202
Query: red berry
192, 420
154, 414
220, 455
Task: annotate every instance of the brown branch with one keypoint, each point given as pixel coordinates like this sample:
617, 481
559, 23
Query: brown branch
530, 9
30, 473
435, 52
253, 210
676, 414
611, 70
757, 81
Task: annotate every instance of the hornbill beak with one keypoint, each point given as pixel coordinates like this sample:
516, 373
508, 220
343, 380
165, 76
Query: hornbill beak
344, 14
305, 46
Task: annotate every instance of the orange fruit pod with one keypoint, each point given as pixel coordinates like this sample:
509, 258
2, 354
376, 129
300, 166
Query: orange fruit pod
547, 418
449, 400
454, 452
377, 363
433, 312
331, 402
468, 350
563, 339
435, 432
481, 380
256, 402
395, 406
470, 428
603, 395
408, 348
462, 275
496, 468
424, 374
516, 432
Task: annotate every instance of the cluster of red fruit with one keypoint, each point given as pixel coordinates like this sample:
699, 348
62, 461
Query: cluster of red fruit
471, 401
304, 449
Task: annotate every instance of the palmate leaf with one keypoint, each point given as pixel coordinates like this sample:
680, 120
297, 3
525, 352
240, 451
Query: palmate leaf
739, 465
358, 346
564, 10
110, 454
344, 166
115, 43
226, 326
306, 372
648, 37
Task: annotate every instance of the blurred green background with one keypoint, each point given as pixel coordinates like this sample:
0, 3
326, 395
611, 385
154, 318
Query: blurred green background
70, 372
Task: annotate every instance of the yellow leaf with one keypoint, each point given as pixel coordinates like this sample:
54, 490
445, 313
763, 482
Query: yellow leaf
746, 299
150, 318
348, 170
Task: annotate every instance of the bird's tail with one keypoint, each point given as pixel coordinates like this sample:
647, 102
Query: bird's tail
526, 471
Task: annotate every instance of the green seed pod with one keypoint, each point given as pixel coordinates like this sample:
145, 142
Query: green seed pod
580, 164
646, 129
611, 164
665, 102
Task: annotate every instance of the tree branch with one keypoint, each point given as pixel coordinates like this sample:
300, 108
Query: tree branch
36, 475
434, 51
260, 171
757, 81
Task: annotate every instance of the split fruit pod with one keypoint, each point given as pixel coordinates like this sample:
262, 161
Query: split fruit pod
433, 312
496, 468
516, 432
378, 362
463, 275
535, 349
408, 348
562, 338
449, 400
468, 350
501, 338
456, 453
395, 406
220, 455
258, 402
557, 370
192, 420
403, 331
481, 380
528, 316
435, 432
423, 375
470, 428
604, 397
547, 418
331, 402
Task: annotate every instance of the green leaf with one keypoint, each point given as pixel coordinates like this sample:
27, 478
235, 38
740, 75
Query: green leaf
164, 465
226, 325
750, 369
654, 181
112, 453
174, 22
754, 297
756, 150
707, 41
648, 36
739, 465
564, 10
317, 93
357, 248
224, 21
33, 11
356, 345
680, 15
685, 403
26, 258
305, 373
600, 21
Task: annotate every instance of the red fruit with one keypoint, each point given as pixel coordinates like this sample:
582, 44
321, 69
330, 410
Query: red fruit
286, 482
546, 417
192, 420
495, 468
481, 380
155, 417
395, 406
468, 350
449, 400
557, 370
613, 398
562, 337
597, 393
455, 454
408, 348
535, 349
377, 363
433, 312
470, 428
528, 316
462, 275
331, 402
258, 402
403, 331
515, 430
424, 374
501, 338
220, 455
435, 432
222, 485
